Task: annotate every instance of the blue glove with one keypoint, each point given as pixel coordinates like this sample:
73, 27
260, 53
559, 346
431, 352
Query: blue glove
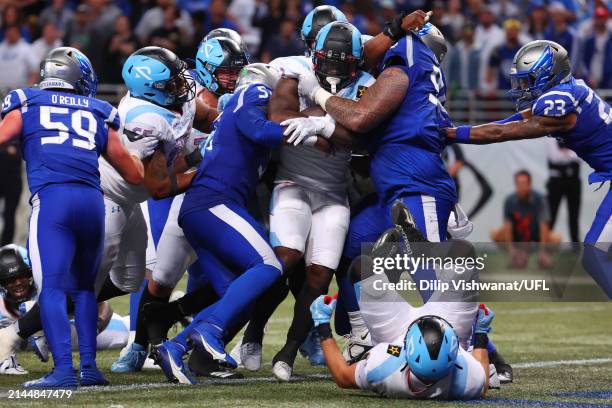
483, 320
223, 100
322, 309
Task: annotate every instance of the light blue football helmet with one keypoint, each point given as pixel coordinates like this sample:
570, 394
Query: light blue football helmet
157, 75
218, 62
316, 19
431, 348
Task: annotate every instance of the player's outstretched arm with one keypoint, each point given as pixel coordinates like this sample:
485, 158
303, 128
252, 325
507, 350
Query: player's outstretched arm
11, 126
374, 50
162, 182
529, 128
378, 104
127, 165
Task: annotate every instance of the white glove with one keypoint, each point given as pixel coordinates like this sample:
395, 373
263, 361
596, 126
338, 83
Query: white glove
308, 85
142, 148
298, 129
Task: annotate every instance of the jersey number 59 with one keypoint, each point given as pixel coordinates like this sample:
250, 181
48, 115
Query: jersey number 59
49, 113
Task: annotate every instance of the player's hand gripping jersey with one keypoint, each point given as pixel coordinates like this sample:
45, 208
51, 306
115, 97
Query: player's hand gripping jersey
591, 137
386, 372
406, 149
144, 119
63, 135
305, 165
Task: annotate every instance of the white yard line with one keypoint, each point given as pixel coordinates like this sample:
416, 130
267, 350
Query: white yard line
148, 386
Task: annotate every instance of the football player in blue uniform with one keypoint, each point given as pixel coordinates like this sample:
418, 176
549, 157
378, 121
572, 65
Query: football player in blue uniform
551, 102
64, 130
215, 219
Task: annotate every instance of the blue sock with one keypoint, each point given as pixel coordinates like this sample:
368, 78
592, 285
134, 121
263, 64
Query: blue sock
55, 323
346, 292
85, 320
599, 265
134, 302
241, 293
491, 347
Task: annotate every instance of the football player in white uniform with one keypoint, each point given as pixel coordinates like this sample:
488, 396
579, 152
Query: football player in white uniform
218, 61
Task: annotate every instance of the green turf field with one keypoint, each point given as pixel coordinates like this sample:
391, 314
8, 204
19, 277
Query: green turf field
561, 334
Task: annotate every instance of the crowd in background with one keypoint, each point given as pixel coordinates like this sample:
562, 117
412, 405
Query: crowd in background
484, 35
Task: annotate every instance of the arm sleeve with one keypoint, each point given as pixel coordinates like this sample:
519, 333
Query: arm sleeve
14, 100
251, 117
555, 104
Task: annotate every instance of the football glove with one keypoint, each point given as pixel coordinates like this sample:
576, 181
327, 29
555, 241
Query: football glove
322, 309
483, 320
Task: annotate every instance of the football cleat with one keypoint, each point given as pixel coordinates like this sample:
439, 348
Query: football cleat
250, 356
11, 366
494, 383
39, 347
91, 376
169, 356
311, 349
202, 365
235, 353
64, 378
357, 346
504, 373
282, 370
207, 338
149, 364
9, 341
131, 361
405, 222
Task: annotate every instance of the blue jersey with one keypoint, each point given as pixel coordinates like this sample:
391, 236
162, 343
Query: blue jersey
237, 151
591, 137
406, 149
62, 135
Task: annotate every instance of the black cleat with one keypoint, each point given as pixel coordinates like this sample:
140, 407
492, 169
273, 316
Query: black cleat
504, 370
403, 218
202, 365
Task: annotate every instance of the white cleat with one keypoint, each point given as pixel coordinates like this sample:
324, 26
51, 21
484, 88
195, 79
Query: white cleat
358, 344
282, 371
250, 355
9, 341
494, 383
149, 364
10, 366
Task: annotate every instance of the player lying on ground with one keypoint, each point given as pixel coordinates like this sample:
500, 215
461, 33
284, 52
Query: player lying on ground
64, 130
18, 294
551, 102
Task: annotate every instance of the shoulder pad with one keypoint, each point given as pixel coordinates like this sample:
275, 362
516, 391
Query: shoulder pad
16, 99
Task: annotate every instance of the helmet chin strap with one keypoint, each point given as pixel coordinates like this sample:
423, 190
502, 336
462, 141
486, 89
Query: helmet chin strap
333, 81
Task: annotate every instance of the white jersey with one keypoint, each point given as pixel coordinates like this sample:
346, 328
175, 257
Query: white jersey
386, 372
142, 117
8, 315
305, 165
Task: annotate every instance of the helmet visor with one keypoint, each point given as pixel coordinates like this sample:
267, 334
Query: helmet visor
341, 66
180, 88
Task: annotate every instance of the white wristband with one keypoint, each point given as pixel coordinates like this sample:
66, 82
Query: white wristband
321, 96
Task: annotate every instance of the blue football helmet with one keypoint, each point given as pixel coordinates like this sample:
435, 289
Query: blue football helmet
434, 39
218, 62
431, 348
66, 68
157, 75
337, 55
537, 67
316, 19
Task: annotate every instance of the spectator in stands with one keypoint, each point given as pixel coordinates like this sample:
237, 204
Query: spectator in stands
487, 34
122, 44
242, 11
597, 51
171, 35
19, 66
268, 17
526, 219
11, 16
104, 13
58, 14
10, 188
559, 30
505, 9
154, 18
438, 9
500, 59
537, 21
284, 44
78, 34
454, 18
216, 17
464, 58
49, 39
564, 181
